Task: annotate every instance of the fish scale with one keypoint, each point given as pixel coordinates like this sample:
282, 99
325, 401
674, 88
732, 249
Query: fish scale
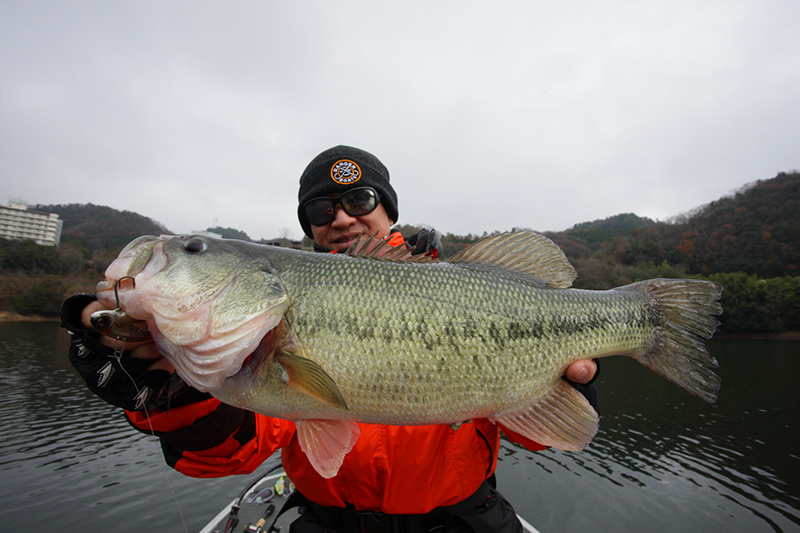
441, 320
380, 337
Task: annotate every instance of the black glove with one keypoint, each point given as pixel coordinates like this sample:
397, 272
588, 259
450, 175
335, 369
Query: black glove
118, 379
426, 241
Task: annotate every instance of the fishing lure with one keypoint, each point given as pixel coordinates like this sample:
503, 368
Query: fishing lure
117, 324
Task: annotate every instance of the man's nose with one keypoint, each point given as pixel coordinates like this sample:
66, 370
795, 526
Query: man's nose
341, 218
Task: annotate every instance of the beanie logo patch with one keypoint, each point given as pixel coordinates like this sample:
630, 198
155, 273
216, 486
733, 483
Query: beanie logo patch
345, 172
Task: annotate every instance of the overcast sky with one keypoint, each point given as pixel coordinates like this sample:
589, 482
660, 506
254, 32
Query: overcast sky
489, 115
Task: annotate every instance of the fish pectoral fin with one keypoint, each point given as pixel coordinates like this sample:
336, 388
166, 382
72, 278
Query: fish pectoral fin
563, 419
307, 376
326, 442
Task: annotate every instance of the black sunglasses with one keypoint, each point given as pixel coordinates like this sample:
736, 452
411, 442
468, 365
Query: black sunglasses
355, 202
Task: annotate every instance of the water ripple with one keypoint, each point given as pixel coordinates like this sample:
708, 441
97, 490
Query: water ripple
665, 461
661, 460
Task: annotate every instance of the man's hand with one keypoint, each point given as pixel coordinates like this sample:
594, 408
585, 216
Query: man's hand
582, 371
427, 241
125, 374
134, 350
581, 375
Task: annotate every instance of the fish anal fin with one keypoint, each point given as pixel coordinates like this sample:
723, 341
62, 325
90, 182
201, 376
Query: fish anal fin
308, 377
563, 419
326, 442
522, 251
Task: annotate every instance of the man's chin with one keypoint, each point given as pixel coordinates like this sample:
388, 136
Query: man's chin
343, 246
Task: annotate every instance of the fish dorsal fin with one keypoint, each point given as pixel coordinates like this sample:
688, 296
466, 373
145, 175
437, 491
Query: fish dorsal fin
307, 376
563, 419
375, 248
524, 251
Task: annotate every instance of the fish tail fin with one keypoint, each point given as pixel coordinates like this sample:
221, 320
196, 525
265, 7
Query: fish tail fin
684, 315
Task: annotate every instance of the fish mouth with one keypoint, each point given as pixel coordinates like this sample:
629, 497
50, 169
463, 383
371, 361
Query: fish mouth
205, 347
141, 257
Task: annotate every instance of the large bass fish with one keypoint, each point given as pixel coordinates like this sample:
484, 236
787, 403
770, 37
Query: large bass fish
375, 336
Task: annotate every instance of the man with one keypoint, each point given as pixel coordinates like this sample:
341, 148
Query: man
396, 478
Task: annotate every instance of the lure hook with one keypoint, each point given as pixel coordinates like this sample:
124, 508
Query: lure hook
116, 287
117, 324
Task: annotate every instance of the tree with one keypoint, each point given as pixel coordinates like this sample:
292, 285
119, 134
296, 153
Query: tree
43, 298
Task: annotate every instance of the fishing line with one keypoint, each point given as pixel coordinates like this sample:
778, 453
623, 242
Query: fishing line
118, 351
118, 356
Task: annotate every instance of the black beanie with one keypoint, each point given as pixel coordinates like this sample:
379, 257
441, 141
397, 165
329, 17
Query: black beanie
340, 168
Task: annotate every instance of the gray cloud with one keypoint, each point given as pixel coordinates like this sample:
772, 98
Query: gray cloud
488, 117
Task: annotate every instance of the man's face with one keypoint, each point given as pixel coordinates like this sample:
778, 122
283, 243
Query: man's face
344, 229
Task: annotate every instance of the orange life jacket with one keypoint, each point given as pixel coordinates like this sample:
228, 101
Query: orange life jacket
393, 469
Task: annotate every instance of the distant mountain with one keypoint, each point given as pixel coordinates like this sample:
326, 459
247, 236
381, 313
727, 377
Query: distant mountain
99, 227
606, 229
755, 231
102, 228
230, 233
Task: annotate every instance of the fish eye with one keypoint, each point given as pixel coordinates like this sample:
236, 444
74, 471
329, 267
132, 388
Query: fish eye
195, 246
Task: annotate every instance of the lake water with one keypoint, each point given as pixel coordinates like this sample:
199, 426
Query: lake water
662, 461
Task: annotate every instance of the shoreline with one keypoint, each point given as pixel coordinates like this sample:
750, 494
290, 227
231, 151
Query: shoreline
11, 316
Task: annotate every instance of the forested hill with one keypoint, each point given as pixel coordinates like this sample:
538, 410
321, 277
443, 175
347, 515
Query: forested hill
98, 227
756, 231
102, 229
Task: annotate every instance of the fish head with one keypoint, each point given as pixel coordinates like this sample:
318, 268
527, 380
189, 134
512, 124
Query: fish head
207, 302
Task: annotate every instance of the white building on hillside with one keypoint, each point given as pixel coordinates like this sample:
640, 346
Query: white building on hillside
19, 222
